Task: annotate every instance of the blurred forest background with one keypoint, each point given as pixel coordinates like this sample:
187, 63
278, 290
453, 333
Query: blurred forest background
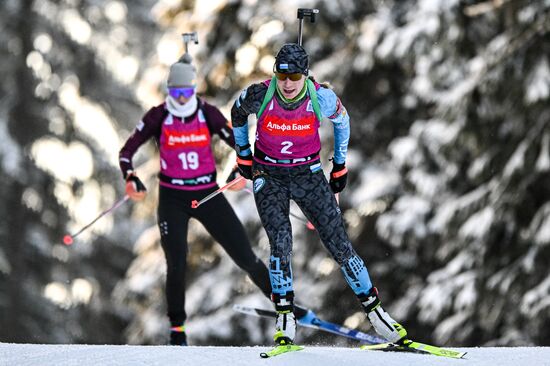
449, 194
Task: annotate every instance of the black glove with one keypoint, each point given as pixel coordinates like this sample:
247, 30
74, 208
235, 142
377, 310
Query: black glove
338, 177
244, 160
244, 164
233, 175
135, 188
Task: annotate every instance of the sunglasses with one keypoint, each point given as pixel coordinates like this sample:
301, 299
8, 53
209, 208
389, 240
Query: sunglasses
294, 77
178, 92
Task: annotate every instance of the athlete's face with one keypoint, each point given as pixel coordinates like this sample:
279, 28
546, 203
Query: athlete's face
290, 88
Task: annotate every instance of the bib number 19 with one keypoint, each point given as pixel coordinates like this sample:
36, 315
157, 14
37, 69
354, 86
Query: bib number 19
189, 160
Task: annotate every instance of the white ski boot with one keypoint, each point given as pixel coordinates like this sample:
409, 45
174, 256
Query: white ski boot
285, 328
285, 323
381, 321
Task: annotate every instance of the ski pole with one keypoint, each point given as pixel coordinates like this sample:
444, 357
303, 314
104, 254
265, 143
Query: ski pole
68, 239
305, 13
195, 203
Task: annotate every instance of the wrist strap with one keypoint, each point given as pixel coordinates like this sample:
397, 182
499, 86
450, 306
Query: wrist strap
339, 173
244, 161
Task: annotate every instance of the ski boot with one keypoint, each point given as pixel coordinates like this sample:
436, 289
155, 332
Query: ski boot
285, 322
381, 321
177, 336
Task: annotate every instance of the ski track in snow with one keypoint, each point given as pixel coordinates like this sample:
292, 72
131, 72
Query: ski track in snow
88, 355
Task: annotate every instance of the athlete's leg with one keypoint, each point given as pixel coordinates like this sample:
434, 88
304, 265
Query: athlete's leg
273, 203
311, 191
173, 223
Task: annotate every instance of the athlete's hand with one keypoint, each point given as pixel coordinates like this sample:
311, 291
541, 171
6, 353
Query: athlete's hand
135, 188
245, 165
338, 177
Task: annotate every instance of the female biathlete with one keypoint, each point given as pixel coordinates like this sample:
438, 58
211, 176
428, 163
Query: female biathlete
286, 166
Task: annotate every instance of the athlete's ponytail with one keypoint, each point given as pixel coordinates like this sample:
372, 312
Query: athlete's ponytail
324, 84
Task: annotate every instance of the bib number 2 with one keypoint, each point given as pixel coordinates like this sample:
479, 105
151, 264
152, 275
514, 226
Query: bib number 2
189, 160
286, 146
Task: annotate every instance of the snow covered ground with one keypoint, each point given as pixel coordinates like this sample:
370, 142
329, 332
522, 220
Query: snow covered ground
88, 355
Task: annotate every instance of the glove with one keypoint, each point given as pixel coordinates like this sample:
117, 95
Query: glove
244, 162
135, 189
245, 166
234, 175
338, 177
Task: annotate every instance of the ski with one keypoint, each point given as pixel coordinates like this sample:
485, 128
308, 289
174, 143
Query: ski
279, 350
415, 347
310, 320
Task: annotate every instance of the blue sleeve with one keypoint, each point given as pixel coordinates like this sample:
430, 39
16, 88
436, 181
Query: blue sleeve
332, 108
241, 138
